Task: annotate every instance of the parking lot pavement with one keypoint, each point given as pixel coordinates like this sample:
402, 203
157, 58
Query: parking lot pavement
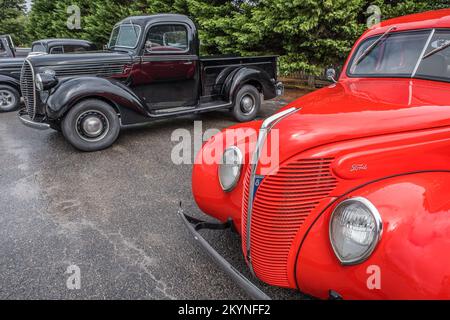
111, 213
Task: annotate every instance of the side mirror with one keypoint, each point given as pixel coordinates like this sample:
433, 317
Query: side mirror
105, 47
331, 74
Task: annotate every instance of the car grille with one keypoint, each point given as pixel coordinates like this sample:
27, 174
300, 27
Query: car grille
282, 204
28, 89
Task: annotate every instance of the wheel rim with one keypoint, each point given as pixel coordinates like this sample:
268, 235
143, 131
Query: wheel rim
92, 126
7, 99
247, 104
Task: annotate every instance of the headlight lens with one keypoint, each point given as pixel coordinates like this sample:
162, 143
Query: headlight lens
355, 230
39, 82
46, 80
230, 168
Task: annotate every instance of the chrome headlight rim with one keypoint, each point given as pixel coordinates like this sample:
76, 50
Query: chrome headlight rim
240, 159
39, 82
45, 80
378, 231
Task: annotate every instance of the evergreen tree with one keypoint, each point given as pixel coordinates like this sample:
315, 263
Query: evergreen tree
12, 20
308, 35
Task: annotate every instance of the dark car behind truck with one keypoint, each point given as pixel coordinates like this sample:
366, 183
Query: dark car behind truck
10, 68
152, 70
8, 50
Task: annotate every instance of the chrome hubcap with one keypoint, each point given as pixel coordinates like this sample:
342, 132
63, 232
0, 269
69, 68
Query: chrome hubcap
247, 104
92, 126
7, 99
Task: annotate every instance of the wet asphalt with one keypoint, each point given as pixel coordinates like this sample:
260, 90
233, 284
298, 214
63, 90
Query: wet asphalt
112, 213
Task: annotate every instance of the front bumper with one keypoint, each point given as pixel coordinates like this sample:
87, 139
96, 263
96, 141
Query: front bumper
194, 226
27, 121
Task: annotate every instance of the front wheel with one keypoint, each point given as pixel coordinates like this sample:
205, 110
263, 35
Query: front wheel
9, 98
91, 125
247, 104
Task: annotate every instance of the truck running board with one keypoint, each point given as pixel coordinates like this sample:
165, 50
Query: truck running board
194, 226
179, 111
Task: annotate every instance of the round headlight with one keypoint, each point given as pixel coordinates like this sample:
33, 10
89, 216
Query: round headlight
355, 230
230, 168
46, 80
39, 83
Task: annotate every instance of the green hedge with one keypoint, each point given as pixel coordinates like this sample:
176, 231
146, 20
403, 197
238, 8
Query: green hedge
308, 35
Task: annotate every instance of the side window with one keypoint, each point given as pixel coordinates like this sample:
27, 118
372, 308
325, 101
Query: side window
56, 50
74, 49
436, 62
38, 48
167, 39
2, 48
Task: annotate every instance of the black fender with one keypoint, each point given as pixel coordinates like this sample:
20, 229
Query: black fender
10, 81
249, 75
67, 93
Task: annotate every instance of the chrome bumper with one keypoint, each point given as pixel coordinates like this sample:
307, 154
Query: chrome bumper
26, 120
280, 89
195, 225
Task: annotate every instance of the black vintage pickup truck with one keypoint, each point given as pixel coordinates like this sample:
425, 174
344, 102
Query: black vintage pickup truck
152, 70
12, 59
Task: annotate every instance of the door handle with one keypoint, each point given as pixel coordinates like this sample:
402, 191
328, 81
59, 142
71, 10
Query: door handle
188, 63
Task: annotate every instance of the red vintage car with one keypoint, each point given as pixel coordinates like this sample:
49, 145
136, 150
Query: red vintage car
358, 206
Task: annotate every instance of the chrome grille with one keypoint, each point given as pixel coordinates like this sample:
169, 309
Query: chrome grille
28, 89
282, 204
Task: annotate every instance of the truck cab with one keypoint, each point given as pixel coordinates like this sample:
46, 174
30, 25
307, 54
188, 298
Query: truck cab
151, 70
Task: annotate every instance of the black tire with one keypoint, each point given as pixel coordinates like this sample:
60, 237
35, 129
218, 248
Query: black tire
9, 98
91, 125
247, 104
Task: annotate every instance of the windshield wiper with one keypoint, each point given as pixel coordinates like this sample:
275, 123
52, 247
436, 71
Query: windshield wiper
374, 45
438, 49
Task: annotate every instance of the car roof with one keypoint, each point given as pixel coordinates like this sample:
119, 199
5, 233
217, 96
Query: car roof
63, 41
145, 19
425, 20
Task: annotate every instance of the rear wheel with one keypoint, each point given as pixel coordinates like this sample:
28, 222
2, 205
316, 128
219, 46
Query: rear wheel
248, 104
9, 98
91, 125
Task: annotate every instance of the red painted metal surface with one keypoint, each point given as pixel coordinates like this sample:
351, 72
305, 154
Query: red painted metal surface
386, 139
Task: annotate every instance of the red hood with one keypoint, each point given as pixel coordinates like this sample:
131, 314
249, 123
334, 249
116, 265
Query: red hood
361, 108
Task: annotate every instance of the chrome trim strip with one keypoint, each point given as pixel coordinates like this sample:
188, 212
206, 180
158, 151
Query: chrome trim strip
430, 37
266, 127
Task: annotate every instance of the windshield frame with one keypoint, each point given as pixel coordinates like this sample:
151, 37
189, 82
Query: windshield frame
429, 31
132, 25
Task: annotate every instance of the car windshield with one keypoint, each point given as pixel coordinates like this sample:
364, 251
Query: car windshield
419, 54
125, 36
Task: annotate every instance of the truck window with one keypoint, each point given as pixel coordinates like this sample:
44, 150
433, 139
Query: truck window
125, 36
74, 49
57, 50
2, 48
38, 48
167, 39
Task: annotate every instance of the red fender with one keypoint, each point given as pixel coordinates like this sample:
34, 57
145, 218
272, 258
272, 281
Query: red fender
206, 188
413, 256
